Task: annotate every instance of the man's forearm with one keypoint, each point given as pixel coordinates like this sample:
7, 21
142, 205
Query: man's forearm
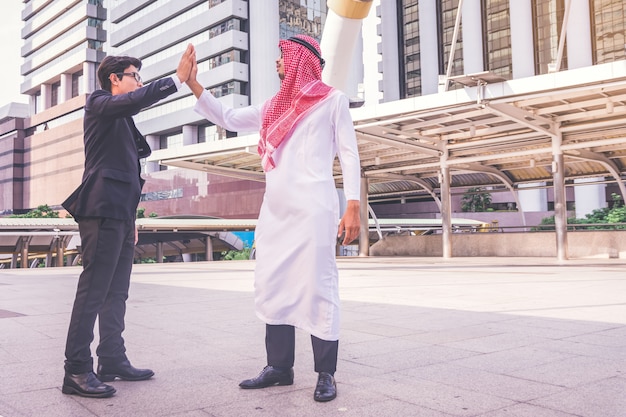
195, 87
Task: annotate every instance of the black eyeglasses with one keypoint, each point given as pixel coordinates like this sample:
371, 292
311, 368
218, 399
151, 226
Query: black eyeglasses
135, 75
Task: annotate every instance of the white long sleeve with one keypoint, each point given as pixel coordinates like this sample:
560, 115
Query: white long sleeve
347, 150
245, 119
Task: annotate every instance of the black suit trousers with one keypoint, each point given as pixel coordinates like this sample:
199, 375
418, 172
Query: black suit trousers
280, 345
107, 256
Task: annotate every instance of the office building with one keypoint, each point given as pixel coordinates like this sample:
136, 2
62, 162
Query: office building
511, 39
236, 47
63, 43
65, 40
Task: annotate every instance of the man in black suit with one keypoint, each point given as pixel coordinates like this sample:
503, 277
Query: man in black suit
105, 205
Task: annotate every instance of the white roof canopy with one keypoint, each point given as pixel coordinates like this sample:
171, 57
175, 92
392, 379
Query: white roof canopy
488, 133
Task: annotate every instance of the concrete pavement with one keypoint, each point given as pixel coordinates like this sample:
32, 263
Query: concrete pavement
489, 337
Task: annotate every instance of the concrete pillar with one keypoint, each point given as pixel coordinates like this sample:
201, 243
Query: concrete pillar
46, 97
65, 90
429, 47
522, 46
90, 79
388, 66
154, 142
472, 27
263, 51
32, 104
371, 56
190, 134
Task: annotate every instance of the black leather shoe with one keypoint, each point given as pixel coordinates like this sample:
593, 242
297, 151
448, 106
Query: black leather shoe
268, 377
326, 389
86, 385
123, 370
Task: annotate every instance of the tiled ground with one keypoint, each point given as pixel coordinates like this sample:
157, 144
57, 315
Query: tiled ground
514, 337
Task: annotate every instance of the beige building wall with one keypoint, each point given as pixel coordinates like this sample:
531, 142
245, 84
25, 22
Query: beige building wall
53, 157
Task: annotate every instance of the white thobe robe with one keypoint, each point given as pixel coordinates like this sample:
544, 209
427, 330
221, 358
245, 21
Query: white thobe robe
296, 278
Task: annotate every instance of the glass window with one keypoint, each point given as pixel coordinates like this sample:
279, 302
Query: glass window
548, 20
211, 133
160, 30
225, 58
171, 141
498, 40
304, 17
609, 26
77, 84
213, 3
232, 87
448, 13
54, 93
411, 68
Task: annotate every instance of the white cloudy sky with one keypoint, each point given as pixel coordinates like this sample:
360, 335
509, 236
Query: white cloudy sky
10, 52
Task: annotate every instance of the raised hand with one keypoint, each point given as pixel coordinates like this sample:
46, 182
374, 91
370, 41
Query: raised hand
187, 62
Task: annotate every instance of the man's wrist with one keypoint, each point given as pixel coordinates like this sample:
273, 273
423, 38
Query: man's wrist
177, 82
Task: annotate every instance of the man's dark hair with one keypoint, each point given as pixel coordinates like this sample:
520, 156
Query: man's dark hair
115, 65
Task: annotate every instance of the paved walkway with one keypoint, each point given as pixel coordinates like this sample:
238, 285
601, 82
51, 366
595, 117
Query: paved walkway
497, 337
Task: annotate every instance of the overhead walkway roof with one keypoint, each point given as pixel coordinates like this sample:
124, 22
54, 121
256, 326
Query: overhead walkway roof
487, 133
56, 237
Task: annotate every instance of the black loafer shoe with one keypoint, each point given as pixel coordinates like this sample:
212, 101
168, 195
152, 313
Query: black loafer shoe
268, 377
123, 370
326, 389
86, 385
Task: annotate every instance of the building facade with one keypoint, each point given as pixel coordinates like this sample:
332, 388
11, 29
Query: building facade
421, 45
511, 39
63, 44
64, 41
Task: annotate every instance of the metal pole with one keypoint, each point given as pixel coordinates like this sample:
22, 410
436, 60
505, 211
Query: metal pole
60, 251
559, 55
208, 249
159, 252
560, 201
446, 217
24, 258
364, 233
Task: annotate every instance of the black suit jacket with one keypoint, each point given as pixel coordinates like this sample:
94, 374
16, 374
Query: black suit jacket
111, 184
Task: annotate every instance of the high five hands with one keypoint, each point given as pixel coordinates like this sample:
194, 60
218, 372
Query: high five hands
186, 64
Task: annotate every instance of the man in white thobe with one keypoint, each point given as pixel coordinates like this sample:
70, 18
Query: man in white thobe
302, 128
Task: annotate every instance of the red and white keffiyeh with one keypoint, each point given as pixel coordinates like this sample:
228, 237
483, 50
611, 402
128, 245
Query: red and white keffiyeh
300, 91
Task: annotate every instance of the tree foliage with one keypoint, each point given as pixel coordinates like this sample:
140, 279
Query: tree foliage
41, 211
475, 199
237, 255
608, 215
141, 213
